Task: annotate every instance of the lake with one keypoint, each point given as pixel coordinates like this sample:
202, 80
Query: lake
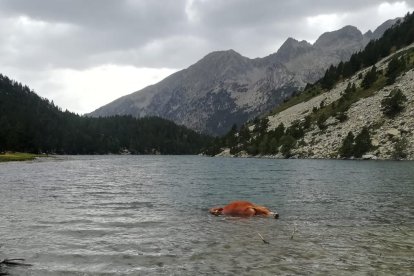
148, 215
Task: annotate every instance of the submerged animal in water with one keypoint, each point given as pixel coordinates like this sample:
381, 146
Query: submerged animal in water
243, 209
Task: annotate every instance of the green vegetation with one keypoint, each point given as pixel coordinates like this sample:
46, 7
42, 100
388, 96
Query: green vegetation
346, 150
31, 124
400, 149
370, 77
396, 66
394, 103
17, 156
357, 146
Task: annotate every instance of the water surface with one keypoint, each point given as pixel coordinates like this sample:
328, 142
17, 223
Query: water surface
148, 215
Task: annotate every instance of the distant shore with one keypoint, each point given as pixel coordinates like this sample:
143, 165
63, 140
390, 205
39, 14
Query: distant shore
17, 156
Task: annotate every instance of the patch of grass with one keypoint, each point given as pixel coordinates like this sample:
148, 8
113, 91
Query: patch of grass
17, 156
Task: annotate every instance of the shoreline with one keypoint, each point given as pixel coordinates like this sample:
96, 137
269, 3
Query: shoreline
18, 156
368, 157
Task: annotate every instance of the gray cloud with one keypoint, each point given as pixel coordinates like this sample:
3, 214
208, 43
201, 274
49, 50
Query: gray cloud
80, 34
48, 44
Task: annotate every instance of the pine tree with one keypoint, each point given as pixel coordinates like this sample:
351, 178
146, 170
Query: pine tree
370, 78
362, 143
347, 148
394, 103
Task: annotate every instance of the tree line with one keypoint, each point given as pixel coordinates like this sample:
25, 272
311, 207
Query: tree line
29, 123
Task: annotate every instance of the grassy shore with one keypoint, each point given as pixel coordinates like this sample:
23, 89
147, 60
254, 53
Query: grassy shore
17, 156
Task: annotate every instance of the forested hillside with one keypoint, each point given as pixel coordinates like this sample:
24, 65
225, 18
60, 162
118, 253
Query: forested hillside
29, 123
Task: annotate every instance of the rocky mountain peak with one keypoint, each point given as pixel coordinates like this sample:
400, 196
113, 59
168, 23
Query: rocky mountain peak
383, 27
346, 35
226, 63
292, 48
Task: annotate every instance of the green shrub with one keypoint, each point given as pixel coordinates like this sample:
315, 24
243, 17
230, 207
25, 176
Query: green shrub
370, 77
400, 149
362, 143
341, 117
347, 148
356, 146
394, 103
321, 121
288, 143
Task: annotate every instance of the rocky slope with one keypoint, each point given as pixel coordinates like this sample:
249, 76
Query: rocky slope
225, 88
386, 133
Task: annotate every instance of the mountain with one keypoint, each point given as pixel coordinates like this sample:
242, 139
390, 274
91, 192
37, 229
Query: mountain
226, 88
29, 123
381, 29
363, 108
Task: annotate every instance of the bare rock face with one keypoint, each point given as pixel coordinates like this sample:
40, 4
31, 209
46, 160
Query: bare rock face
225, 88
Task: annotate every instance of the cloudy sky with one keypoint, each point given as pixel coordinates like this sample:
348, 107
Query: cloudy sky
83, 54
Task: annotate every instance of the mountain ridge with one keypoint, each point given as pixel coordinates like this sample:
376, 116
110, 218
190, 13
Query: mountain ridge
224, 87
362, 108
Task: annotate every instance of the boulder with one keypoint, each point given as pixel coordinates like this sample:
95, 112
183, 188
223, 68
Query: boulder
369, 157
393, 132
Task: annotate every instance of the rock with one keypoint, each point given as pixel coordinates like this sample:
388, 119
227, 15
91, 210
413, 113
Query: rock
225, 153
369, 157
393, 132
405, 130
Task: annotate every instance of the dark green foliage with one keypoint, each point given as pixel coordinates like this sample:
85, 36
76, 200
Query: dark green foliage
29, 123
341, 117
262, 125
273, 147
356, 146
307, 122
279, 131
395, 67
394, 103
230, 137
350, 88
264, 144
296, 130
330, 78
244, 133
400, 149
288, 143
362, 143
346, 150
252, 149
321, 121
370, 77
215, 147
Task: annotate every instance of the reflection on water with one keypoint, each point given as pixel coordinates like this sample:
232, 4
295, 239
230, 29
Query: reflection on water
143, 215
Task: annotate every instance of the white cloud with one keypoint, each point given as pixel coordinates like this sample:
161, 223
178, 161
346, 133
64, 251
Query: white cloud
83, 91
325, 22
391, 10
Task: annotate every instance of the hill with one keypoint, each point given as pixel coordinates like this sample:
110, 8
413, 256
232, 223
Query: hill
362, 108
225, 87
29, 123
